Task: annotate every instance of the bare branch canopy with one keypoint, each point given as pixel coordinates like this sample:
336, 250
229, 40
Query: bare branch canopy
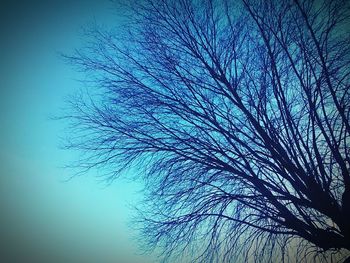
236, 115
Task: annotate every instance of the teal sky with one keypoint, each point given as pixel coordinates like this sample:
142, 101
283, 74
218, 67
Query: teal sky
43, 218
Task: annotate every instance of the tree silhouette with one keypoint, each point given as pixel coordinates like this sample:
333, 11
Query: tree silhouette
236, 115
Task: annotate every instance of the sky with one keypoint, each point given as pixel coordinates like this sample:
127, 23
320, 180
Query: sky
44, 217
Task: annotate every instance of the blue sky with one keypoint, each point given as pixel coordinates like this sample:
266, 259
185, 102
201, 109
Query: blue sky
44, 218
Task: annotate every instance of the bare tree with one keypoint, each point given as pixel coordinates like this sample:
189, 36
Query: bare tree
236, 115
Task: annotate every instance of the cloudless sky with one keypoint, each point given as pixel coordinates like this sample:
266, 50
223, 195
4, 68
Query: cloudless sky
44, 218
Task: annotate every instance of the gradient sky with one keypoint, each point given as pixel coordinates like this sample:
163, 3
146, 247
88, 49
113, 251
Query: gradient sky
43, 218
